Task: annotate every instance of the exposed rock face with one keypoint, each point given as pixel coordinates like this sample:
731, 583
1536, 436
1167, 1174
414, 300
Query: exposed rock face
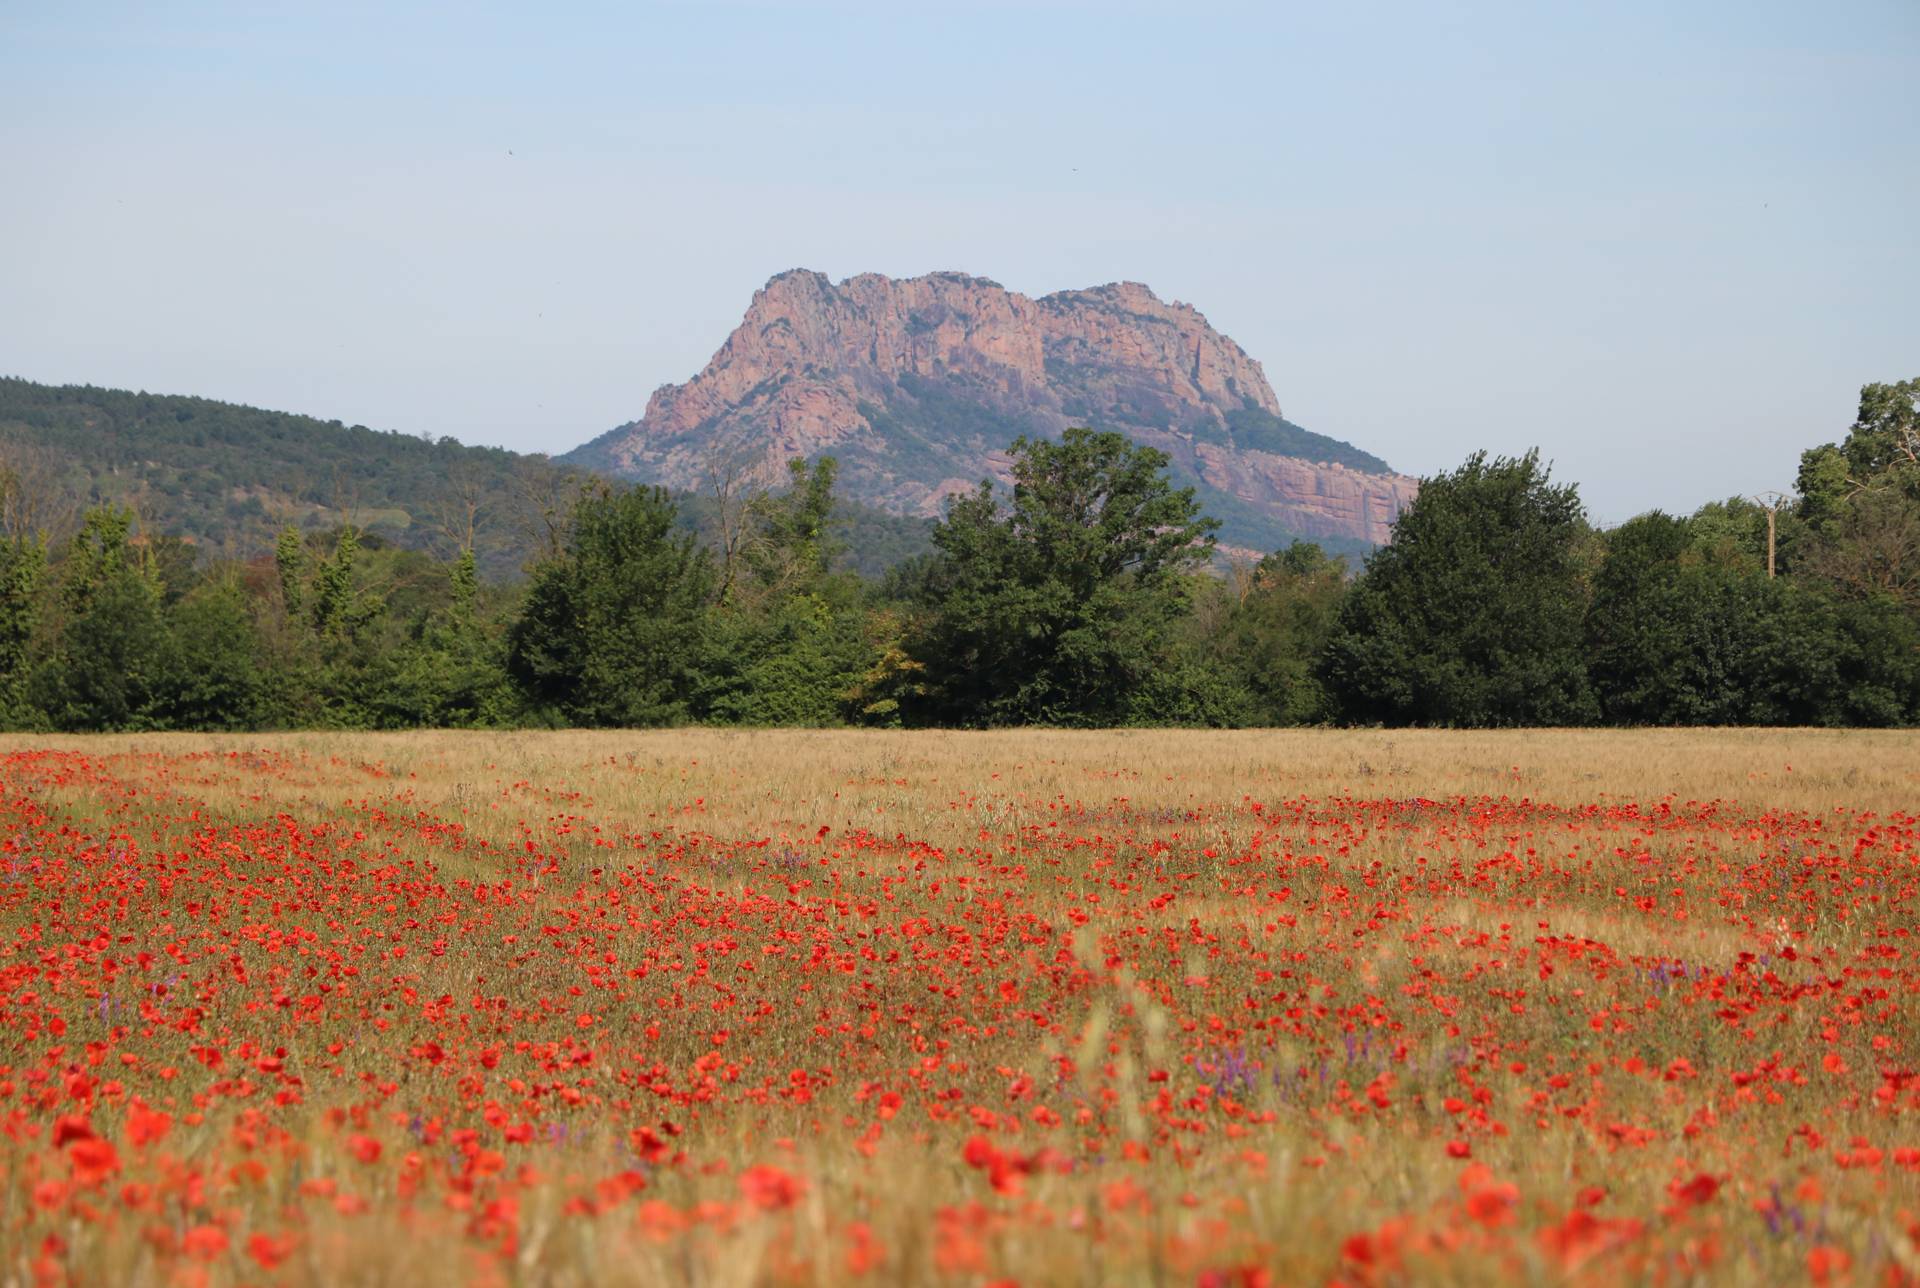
918, 386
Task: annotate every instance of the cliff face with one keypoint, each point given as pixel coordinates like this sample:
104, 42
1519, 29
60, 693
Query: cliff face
917, 386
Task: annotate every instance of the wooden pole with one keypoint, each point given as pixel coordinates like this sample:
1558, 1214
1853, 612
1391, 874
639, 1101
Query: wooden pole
1771, 503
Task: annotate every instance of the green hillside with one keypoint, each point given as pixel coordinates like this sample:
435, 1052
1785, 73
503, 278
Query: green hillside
228, 478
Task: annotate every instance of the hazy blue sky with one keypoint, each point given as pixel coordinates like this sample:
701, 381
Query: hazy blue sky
1664, 241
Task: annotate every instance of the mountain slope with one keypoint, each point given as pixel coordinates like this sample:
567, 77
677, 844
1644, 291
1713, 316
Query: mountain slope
229, 477
918, 385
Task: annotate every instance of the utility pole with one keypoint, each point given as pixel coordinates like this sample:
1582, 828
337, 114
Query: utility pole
1771, 503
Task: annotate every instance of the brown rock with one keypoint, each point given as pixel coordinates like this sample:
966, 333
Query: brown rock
918, 385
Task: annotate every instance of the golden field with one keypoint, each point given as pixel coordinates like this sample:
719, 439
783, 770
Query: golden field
730, 1007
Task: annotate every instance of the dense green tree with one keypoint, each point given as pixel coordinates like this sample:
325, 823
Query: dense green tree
1273, 624
792, 542
109, 667
341, 607
441, 676
1082, 597
290, 561
210, 676
790, 645
106, 668
464, 580
1860, 499
615, 626
1736, 530
1869, 548
1684, 631
175, 565
1062, 607
1626, 639
102, 548
23, 569
1473, 616
1885, 437
1882, 448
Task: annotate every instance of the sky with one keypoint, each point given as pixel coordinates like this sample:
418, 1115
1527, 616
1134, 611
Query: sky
1663, 242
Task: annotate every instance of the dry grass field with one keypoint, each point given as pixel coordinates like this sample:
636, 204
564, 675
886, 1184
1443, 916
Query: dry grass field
723, 1008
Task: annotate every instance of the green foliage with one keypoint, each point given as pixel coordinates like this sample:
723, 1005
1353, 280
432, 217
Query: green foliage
791, 645
23, 569
223, 475
1679, 633
465, 578
1881, 449
1861, 501
290, 560
1735, 530
1083, 598
1062, 609
100, 550
1885, 438
210, 676
793, 544
614, 627
341, 608
1473, 616
792, 662
1276, 622
1256, 429
1869, 548
106, 671
867, 541
1824, 484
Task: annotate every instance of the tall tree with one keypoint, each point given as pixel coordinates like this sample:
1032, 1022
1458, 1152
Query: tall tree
106, 670
1473, 616
1276, 620
1861, 499
209, 676
1061, 608
788, 642
1881, 448
614, 625
23, 567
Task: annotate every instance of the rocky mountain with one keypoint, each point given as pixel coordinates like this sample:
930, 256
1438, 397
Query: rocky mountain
918, 385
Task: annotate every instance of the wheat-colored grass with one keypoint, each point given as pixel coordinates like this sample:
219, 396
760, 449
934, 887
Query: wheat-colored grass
759, 782
1279, 1194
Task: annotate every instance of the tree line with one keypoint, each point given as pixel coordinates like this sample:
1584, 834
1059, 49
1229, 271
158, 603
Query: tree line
1090, 593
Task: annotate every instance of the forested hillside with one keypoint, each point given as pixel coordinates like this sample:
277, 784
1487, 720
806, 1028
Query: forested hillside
227, 479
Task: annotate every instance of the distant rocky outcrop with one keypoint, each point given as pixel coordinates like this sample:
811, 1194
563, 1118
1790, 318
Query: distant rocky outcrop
918, 385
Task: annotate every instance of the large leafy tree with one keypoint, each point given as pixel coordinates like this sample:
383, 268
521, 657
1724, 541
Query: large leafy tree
614, 626
789, 643
1882, 448
1684, 630
106, 671
1270, 625
23, 570
1861, 499
210, 677
1059, 607
1473, 615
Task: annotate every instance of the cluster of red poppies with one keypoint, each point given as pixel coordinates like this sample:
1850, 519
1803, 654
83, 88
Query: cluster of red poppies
1242, 1042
